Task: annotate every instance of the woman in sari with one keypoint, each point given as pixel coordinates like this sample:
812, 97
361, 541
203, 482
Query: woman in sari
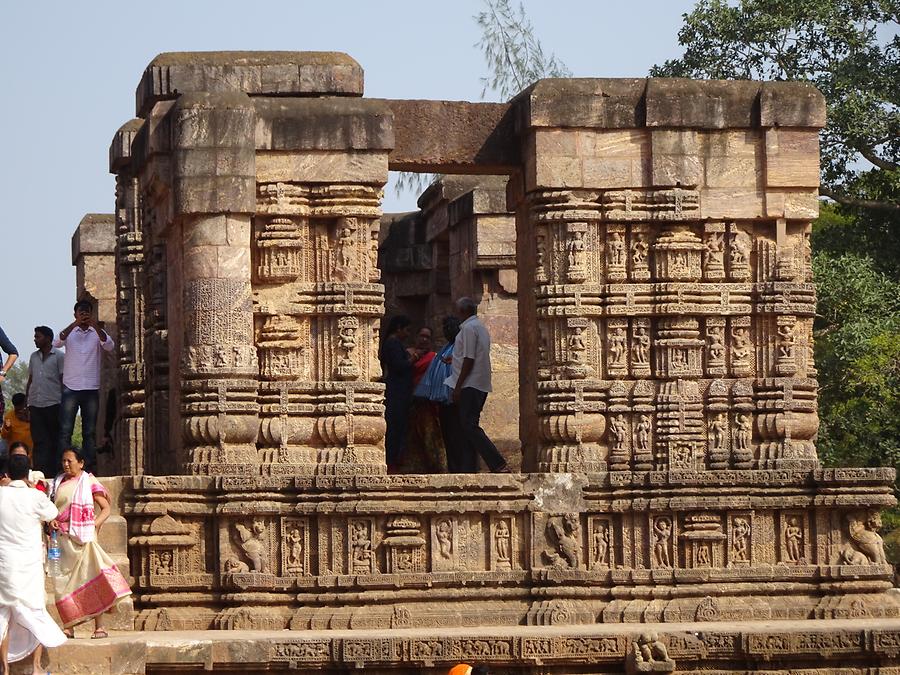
426, 447
90, 584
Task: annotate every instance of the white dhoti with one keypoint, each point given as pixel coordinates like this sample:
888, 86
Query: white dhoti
27, 629
22, 597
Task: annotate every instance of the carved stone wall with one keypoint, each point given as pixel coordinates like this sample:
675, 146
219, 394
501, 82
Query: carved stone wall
441, 551
664, 262
130, 307
666, 387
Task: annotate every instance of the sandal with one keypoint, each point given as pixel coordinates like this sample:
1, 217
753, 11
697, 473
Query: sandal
99, 634
70, 634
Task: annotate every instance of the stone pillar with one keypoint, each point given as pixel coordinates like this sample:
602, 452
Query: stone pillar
315, 254
93, 256
662, 244
211, 312
129, 430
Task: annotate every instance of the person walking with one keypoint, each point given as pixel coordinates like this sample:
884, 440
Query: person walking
471, 384
448, 411
24, 622
12, 354
90, 584
84, 341
44, 394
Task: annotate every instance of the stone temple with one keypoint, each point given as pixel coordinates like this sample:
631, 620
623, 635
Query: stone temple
640, 248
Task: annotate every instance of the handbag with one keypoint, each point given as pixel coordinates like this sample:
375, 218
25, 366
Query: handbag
432, 385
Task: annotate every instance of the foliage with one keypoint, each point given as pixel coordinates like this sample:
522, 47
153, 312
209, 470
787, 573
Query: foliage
850, 49
15, 381
514, 56
857, 345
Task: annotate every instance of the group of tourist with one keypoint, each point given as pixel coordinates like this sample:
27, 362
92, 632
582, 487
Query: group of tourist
60, 385
56, 520
434, 400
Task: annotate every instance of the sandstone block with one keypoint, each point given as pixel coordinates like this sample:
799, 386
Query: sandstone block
792, 158
172, 74
675, 158
329, 166
791, 104
701, 104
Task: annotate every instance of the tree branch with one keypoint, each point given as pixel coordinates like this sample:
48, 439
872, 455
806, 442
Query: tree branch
861, 203
870, 155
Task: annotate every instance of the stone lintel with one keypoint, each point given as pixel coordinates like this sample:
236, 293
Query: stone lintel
596, 103
172, 74
95, 234
453, 137
323, 124
120, 146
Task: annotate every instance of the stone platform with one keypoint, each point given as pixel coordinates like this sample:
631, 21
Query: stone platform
835, 646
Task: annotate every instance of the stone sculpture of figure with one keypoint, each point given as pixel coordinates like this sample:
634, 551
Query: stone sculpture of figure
253, 544
703, 555
786, 341
716, 343
164, 562
740, 543
717, 431
793, 540
714, 252
295, 550
640, 348
542, 343
619, 430
444, 535
615, 250
642, 433
221, 361
740, 347
540, 252
617, 347
679, 359
743, 431
639, 250
600, 540
501, 541
345, 247
662, 533
361, 547
576, 250
567, 534
863, 531
740, 248
648, 649
576, 344
235, 566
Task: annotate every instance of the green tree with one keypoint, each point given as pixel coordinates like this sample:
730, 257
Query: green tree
513, 53
15, 381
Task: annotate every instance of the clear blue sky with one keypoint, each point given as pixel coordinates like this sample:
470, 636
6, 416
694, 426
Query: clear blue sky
69, 70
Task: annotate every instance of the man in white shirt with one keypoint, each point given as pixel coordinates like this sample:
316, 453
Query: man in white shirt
85, 343
471, 383
24, 621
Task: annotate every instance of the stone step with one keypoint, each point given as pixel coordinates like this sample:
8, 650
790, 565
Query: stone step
848, 645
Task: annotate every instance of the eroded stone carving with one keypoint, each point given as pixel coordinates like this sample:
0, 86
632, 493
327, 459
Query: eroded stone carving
564, 533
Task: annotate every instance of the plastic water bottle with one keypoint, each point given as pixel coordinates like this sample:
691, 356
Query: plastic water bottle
54, 568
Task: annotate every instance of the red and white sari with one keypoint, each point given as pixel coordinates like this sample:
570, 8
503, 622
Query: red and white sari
90, 584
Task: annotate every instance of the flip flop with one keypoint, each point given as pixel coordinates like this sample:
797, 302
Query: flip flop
99, 634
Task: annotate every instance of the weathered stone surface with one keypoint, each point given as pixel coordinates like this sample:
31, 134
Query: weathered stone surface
651, 303
172, 74
473, 138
